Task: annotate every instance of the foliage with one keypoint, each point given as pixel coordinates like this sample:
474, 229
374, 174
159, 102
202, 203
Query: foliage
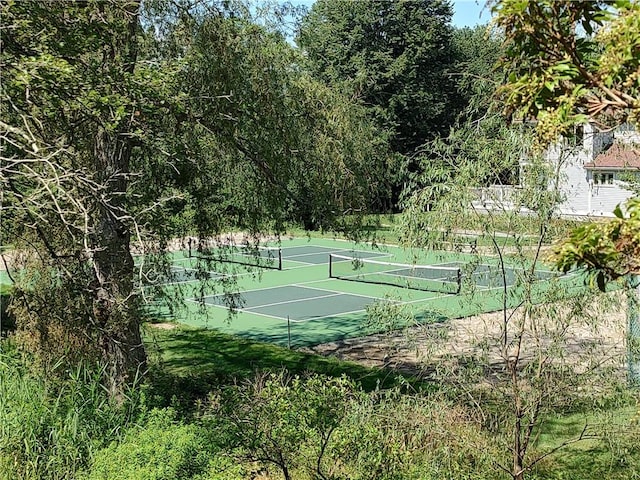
394, 58
49, 429
479, 131
316, 427
278, 145
161, 448
69, 100
609, 249
6, 318
476, 52
570, 62
407, 437
383, 434
286, 422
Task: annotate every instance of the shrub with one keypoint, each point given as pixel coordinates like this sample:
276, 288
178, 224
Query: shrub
7, 319
327, 428
162, 449
49, 429
283, 421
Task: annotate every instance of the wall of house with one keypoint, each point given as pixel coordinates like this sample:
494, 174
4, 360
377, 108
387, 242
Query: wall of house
604, 198
568, 160
627, 134
581, 195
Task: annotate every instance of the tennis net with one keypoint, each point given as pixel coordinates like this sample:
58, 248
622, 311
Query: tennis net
256, 256
431, 278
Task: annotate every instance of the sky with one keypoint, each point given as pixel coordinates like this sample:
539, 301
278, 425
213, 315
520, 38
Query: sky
466, 13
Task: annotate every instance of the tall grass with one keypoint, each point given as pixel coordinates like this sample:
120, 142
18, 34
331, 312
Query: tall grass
50, 427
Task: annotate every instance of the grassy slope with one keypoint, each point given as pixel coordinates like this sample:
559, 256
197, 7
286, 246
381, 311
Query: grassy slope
185, 351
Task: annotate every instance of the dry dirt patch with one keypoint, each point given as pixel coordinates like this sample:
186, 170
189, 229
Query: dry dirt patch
410, 350
163, 326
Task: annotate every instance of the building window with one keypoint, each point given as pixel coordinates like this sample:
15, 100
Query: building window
603, 178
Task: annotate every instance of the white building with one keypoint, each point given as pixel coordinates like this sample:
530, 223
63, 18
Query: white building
594, 168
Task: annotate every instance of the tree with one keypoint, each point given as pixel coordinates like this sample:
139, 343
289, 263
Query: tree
478, 124
572, 62
193, 120
475, 53
317, 147
524, 369
69, 113
392, 55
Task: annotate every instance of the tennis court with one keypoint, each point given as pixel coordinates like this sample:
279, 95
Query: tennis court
312, 291
296, 303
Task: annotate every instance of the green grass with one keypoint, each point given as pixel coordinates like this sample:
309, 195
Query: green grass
194, 355
610, 446
189, 352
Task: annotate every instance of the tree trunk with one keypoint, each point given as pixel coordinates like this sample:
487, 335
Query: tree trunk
115, 305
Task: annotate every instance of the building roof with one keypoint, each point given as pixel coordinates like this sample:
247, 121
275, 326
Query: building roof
617, 157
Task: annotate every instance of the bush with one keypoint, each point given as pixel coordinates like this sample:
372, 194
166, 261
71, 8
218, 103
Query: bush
283, 421
161, 449
48, 430
321, 427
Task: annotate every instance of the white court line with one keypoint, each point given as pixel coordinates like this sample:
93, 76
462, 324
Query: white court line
248, 310
397, 302
328, 251
305, 320
302, 264
244, 310
280, 286
303, 285
308, 254
293, 301
267, 315
235, 274
194, 300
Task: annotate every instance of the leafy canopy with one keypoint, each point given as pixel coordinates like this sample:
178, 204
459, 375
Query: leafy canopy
573, 62
392, 55
570, 62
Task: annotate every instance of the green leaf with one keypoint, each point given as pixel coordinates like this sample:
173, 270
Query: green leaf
618, 212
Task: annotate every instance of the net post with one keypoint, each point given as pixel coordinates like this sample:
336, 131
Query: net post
279, 258
330, 269
289, 332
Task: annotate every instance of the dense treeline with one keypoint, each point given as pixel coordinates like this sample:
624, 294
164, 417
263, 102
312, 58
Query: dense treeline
416, 75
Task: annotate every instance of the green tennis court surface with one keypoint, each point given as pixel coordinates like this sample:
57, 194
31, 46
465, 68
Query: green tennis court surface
324, 287
295, 303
